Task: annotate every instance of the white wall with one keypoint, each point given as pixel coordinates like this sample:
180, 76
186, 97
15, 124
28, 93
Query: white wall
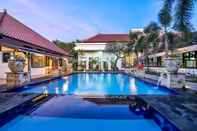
103, 56
38, 71
3, 67
181, 70
90, 46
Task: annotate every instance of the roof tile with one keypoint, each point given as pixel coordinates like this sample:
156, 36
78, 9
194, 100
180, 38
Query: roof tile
108, 38
11, 27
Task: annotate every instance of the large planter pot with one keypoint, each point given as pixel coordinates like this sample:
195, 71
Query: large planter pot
16, 65
172, 64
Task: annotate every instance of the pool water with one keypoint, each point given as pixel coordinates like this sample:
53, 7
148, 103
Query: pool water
97, 84
73, 114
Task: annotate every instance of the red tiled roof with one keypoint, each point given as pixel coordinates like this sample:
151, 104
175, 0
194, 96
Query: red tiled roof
12, 28
108, 38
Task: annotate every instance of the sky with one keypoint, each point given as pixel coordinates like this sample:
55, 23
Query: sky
68, 20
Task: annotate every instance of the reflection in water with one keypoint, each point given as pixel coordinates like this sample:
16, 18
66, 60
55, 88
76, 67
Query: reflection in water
56, 90
96, 84
133, 87
65, 87
45, 90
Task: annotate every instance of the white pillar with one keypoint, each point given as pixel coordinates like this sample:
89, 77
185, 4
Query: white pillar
119, 63
109, 65
87, 64
29, 64
102, 66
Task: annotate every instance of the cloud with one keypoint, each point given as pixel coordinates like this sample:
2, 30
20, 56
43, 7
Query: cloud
52, 25
64, 26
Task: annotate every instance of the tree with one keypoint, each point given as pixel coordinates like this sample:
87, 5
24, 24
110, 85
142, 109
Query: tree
152, 35
151, 39
117, 49
134, 45
183, 14
165, 19
68, 47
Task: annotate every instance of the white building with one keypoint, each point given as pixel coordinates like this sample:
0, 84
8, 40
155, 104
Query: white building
92, 54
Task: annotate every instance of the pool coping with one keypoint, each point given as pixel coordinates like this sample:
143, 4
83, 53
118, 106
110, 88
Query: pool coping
11, 104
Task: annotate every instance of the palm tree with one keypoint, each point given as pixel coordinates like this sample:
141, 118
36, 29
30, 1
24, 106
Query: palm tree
140, 45
165, 19
133, 45
151, 38
182, 17
152, 35
183, 14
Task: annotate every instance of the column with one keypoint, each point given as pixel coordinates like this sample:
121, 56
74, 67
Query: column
102, 66
87, 63
29, 64
109, 65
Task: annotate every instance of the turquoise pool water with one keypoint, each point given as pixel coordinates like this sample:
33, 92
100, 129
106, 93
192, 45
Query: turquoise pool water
68, 113
97, 84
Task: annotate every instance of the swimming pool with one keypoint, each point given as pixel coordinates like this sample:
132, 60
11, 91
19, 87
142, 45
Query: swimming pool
72, 113
97, 84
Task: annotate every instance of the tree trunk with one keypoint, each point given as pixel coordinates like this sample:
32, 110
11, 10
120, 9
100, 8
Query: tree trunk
137, 58
166, 42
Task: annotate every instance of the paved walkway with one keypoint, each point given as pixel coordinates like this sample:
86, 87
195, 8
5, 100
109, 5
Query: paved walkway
11, 100
33, 81
181, 110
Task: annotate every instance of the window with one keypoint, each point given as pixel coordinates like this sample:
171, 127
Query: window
190, 60
6, 57
60, 62
159, 61
38, 61
47, 61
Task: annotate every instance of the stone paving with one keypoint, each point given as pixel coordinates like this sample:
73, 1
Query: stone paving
9, 101
180, 110
4, 88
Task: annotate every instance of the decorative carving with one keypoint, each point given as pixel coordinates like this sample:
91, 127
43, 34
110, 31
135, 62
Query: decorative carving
17, 76
16, 64
172, 65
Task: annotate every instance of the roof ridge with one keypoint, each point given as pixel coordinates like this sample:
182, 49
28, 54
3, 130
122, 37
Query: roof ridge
113, 34
91, 37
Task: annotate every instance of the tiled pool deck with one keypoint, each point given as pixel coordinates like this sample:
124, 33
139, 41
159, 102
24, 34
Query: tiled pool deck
180, 110
9, 101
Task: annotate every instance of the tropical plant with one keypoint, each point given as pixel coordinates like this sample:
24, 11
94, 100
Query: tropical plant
152, 35
135, 45
182, 16
117, 49
174, 40
165, 18
69, 47
151, 39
